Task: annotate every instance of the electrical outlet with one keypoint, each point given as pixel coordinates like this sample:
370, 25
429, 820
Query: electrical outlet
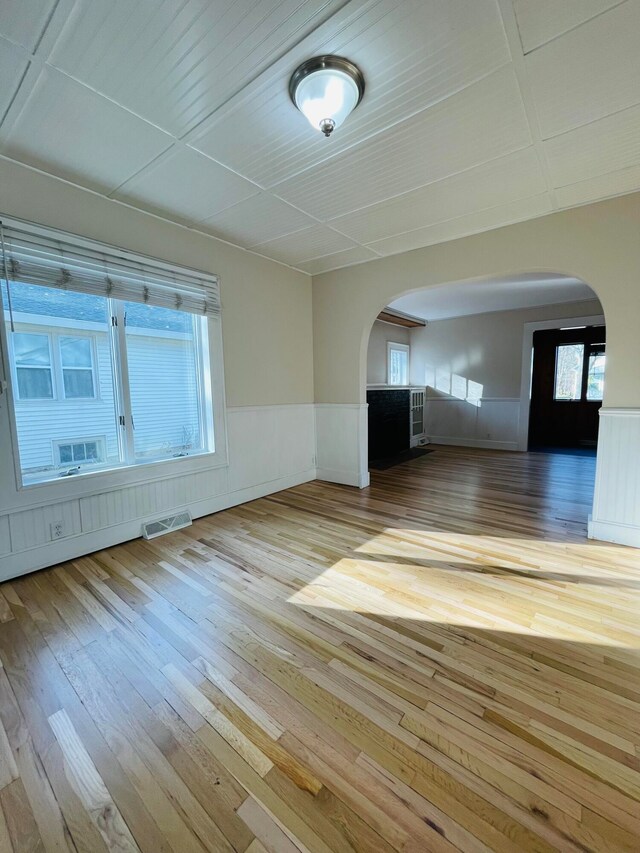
57, 530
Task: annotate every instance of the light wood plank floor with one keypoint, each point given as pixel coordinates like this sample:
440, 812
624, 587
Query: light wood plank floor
441, 662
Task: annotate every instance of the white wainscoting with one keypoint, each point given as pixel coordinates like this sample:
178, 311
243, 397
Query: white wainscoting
270, 448
616, 503
342, 442
492, 424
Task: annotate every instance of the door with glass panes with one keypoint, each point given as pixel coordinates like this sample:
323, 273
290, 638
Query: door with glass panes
567, 387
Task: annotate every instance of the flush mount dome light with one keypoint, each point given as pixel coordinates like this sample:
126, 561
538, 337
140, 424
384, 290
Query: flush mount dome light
326, 89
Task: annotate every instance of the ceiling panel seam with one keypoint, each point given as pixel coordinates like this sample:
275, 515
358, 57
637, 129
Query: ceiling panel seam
510, 24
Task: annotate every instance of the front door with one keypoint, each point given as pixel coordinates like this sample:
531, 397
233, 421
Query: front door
566, 387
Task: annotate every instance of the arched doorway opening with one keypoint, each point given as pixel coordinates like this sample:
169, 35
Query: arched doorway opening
473, 349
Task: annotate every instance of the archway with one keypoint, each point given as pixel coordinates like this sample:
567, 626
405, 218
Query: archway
597, 244
475, 329
473, 361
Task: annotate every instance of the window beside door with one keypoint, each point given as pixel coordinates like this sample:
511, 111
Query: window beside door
579, 372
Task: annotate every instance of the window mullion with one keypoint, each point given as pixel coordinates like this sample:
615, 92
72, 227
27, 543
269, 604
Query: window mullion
205, 438
119, 343
585, 371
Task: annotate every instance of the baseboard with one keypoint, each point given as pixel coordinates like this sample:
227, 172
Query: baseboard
486, 444
72, 547
345, 478
609, 531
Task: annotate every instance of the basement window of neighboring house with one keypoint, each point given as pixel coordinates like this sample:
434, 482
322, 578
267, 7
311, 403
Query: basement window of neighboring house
397, 364
90, 452
114, 361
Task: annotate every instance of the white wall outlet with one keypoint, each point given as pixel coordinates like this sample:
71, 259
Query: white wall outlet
57, 529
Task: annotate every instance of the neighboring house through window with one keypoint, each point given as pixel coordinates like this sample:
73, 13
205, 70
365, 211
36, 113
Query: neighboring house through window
51, 366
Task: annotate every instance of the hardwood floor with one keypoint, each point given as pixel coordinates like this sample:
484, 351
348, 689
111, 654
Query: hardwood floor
441, 662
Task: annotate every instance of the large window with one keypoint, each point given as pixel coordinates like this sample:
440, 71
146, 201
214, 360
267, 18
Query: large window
397, 364
101, 382
86, 364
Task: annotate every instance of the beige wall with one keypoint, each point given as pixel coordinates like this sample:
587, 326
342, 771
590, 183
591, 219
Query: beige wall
267, 326
381, 334
599, 244
482, 348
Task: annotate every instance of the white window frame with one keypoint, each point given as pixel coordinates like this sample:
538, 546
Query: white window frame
392, 346
106, 479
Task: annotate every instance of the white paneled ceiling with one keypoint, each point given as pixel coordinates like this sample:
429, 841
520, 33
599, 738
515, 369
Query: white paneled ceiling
477, 113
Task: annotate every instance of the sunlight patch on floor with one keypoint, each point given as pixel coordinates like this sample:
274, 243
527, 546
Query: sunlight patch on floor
580, 592
404, 543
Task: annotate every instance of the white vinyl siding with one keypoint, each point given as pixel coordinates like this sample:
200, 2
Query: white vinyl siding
164, 392
42, 424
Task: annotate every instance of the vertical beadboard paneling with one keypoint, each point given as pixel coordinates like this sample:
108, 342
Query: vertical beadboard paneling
267, 444
616, 505
5, 537
296, 441
341, 439
32, 527
492, 424
147, 499
253, 436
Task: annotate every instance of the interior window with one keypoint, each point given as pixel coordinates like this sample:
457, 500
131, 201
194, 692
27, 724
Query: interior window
397, 364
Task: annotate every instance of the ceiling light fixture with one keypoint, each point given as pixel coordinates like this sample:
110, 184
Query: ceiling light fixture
326, 89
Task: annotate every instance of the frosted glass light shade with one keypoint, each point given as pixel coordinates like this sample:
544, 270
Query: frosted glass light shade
325, 90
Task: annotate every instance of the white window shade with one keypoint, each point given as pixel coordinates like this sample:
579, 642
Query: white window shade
40, 257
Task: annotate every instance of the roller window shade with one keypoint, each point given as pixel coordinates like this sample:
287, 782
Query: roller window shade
44, 258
